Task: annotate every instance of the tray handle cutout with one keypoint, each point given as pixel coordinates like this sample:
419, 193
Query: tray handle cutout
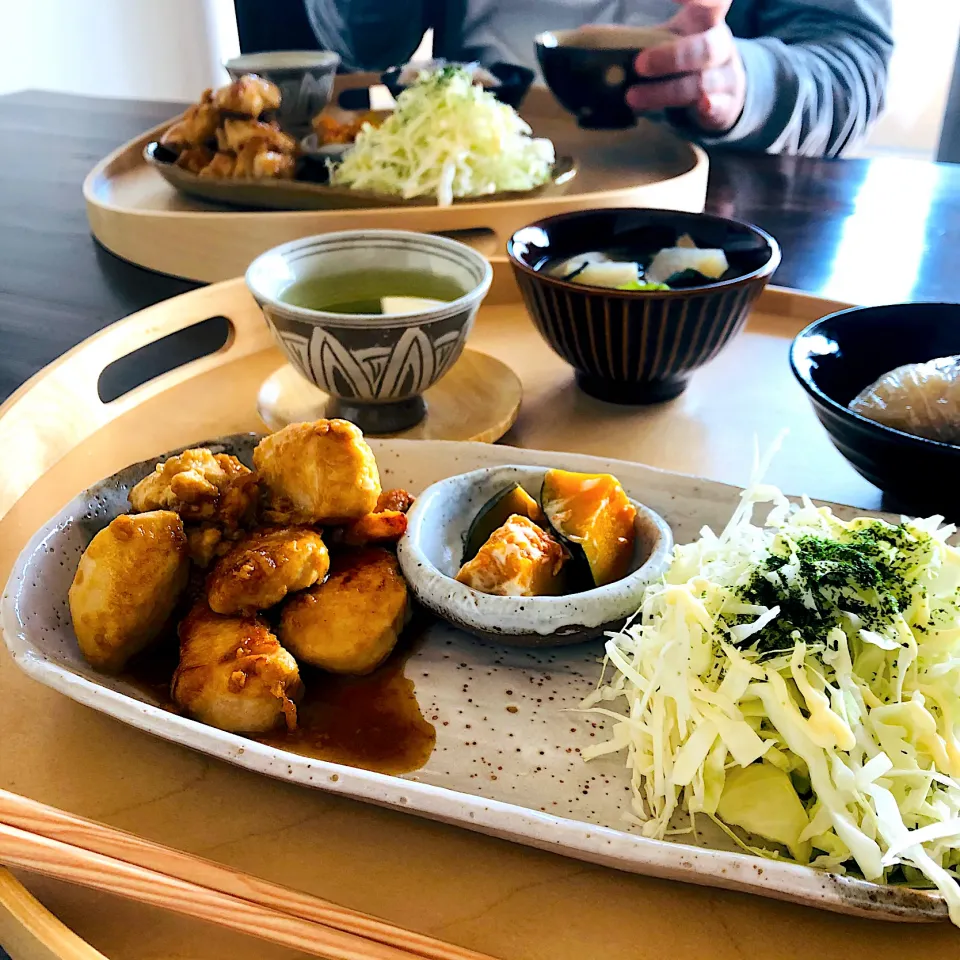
142, 365
61, 406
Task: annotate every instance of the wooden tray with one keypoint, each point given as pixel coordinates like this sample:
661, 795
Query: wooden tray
137, 215
509, 901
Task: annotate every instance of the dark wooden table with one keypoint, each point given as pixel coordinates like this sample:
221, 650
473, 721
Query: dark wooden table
867, 231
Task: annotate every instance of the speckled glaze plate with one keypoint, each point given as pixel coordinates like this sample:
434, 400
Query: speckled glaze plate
506, 761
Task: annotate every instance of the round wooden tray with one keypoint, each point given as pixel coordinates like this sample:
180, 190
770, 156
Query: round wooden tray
478, 400
137, 215
508, 900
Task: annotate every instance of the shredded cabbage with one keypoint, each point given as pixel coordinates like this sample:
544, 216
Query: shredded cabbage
447, 138
825, 650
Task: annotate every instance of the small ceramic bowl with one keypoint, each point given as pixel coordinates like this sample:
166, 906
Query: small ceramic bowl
375, 367
590, 71
639, 346
305, 79
431, 552
312, 148
838, 356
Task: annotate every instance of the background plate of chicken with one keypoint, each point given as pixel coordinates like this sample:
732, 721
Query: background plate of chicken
229, 148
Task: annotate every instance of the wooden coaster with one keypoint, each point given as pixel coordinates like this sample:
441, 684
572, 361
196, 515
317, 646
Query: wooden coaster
479, 399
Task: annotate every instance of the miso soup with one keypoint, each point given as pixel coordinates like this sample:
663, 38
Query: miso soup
373, 292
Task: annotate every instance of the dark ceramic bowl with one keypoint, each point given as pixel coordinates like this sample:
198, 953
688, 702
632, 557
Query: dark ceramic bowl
305, 79
639, 347
515, 82
838, 356
589, 72
374, 366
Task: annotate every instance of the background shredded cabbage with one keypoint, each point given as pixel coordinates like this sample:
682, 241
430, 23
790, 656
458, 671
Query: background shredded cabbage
800, 681
447, 138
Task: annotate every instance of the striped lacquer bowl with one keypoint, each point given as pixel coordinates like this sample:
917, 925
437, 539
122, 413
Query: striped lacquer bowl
639, 347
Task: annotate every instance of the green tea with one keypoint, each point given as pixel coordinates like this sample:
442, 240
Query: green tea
373, 292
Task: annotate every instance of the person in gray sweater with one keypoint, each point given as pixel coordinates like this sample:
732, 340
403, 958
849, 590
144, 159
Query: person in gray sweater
800, 77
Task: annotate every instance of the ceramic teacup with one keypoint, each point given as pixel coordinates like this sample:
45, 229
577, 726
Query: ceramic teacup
374, 366
589, 70
305, 79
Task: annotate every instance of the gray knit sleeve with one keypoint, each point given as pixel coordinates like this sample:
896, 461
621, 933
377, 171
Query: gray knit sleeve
368, 34
816, 73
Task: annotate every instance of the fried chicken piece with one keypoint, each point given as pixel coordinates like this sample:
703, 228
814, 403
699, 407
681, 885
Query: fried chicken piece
518, 560
233, 673
194, 159
321, 472
398, 500
196, 127
201, 486
352, 621
205, 544
221, 167
250, 96
387, 526
334, 129
126, 586
256, 161
261, 570
237, 132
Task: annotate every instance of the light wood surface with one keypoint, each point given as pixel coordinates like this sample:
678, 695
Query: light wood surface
488, 895
28, 931
85, 865
40, 821
136, 214
61, 861
479, 399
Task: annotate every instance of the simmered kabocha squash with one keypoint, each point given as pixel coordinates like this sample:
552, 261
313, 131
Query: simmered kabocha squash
513, 500
592, 515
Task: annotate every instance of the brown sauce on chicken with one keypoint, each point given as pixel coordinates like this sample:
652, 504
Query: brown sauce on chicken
373, 722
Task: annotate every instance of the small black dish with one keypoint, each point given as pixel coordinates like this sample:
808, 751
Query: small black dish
589, 71
637, 347
838, 356
515, 81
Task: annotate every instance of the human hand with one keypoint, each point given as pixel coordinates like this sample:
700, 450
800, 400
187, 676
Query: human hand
702, 69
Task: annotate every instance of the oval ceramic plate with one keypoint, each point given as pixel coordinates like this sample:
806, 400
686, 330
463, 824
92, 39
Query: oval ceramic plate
508, 734
310, 195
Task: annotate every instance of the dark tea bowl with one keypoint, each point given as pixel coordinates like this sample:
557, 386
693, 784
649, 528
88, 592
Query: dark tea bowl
637, 347
375, 367
590, 70
840, 355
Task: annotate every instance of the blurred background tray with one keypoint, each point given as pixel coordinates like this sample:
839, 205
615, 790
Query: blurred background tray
137, 215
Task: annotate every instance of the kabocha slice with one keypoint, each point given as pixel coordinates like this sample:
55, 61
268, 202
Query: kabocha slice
591, 514
513, 500
518, 560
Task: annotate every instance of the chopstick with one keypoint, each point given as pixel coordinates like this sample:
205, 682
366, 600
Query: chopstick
45, 840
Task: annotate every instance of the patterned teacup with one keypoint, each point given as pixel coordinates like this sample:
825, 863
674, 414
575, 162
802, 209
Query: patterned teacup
305, 79
375, 367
